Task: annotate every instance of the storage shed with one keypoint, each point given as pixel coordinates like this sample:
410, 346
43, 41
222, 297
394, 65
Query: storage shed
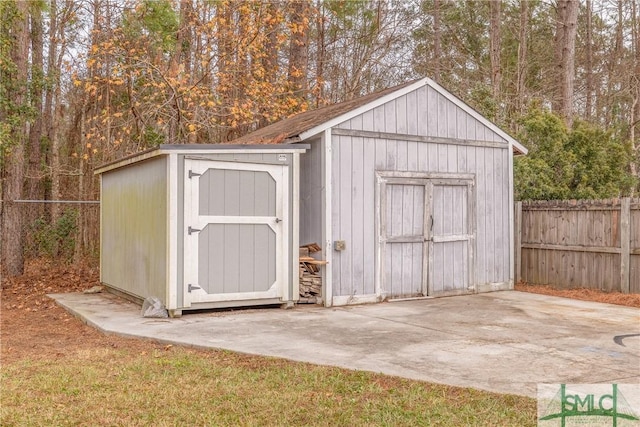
202, 226
409, 191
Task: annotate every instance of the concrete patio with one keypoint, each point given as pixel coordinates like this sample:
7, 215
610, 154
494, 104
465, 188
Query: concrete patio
505, 342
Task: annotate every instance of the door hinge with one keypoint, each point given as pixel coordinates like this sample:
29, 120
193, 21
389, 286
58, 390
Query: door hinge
193, 287
192, 174
193, 230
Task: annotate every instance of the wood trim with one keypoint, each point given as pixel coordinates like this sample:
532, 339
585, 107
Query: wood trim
419, 138
240, 160
452, 238
572, 248
380, 221
436, 177
238, 303
513, 257
339, 300
576, 208
327, 210
282, 199
517, 247
625, 242
471, 229
404, 239
172, 232
164, 150
295, 227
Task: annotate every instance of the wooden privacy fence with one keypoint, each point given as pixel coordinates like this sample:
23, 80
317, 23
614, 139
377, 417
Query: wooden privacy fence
579, 243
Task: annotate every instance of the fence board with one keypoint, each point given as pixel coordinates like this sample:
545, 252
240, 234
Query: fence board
580, 243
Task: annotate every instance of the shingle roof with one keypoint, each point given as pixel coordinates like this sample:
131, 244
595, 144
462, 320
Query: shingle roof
293, 126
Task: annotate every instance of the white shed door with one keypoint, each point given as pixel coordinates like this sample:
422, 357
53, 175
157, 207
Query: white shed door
235, 219
426, 237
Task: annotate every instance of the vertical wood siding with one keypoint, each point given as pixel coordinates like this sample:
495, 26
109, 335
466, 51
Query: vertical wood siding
404, 217
450, 259
423, 112
311, 193
134, 228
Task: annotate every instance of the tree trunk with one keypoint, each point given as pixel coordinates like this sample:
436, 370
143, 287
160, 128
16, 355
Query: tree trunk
49, 121
437, 35
588, 107
320, 56
34, 187
635, 88
496, 46
12, 232
565, 39
523, 41
298, 49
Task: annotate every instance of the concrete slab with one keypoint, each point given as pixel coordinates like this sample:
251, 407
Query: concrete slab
506, 342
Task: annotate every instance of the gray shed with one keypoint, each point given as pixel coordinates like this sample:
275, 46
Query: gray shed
202, 226
409, 191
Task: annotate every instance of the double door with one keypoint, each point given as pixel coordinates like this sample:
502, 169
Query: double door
426, 236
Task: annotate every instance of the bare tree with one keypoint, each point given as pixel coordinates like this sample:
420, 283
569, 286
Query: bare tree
588, 109
495, 42
521, 71
437, 40
565, 39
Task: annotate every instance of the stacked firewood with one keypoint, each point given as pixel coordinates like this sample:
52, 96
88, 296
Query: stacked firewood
310, 278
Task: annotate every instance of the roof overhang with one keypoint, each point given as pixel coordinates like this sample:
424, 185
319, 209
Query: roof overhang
166, 149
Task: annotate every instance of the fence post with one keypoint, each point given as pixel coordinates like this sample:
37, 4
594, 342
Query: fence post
518, 241
625, 242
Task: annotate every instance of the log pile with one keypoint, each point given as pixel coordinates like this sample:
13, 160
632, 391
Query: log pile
310, 278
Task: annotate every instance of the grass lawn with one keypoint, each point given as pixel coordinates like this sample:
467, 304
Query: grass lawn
179, 386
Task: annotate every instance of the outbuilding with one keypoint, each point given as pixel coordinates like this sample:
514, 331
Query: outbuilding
408, 191
202, 226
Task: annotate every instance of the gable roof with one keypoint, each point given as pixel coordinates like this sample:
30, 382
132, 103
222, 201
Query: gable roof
310, 123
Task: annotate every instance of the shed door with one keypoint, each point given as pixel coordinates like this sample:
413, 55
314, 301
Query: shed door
235, 219
426, 236
404, 238
451, 239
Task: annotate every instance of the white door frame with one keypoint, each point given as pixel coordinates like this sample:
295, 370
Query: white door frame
279, 224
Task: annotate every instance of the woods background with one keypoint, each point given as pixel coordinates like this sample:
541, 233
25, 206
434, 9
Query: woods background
85, 82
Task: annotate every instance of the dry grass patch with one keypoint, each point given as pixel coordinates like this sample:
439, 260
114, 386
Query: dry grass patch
181, 386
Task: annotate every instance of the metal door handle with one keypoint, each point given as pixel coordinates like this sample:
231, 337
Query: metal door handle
278, 220
431, 216
193, 230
